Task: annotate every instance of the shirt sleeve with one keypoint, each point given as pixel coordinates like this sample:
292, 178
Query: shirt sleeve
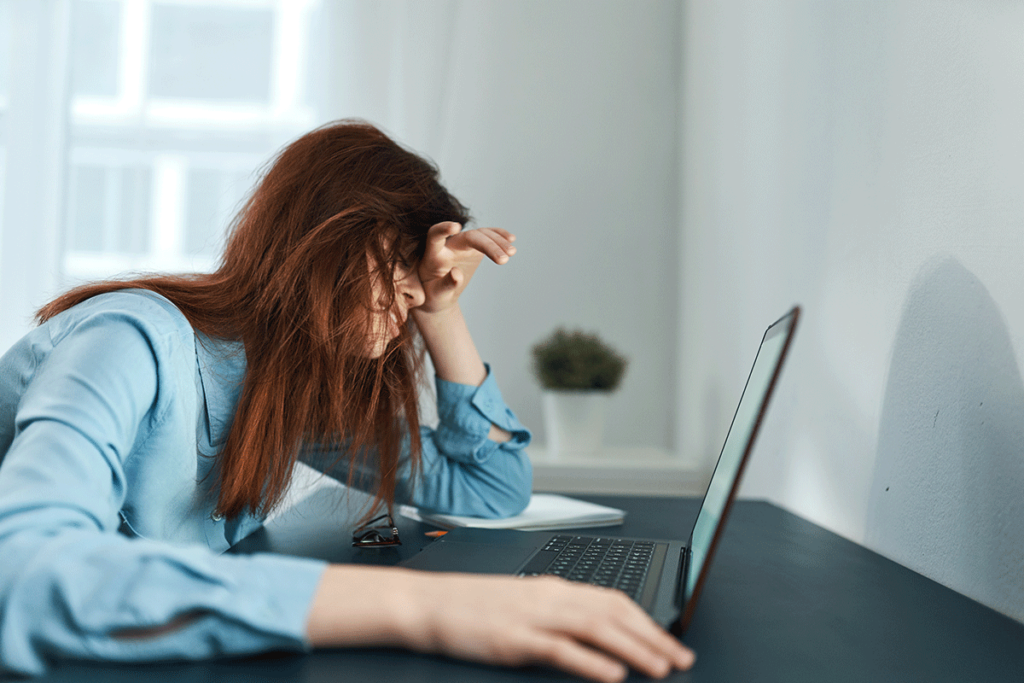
462, 471
69, 582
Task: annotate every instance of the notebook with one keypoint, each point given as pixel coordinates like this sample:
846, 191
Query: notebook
664, 576
545, 512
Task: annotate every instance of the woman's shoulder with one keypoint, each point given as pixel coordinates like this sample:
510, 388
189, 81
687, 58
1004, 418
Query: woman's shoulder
126, 304
149, 313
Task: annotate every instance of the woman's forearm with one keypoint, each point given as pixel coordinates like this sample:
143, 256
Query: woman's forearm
451, 346
453, 352
360, 606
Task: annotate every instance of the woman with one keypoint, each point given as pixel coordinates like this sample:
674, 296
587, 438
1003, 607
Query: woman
148, 424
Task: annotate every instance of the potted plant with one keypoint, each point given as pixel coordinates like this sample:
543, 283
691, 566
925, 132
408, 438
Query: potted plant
578, 372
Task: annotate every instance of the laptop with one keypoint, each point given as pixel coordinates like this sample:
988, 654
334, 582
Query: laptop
664, 576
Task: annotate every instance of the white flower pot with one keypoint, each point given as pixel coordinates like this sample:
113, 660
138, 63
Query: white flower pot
574, 421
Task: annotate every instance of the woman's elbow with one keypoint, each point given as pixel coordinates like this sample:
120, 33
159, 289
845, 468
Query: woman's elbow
513, 495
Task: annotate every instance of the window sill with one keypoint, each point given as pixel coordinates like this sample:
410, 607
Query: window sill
616, 470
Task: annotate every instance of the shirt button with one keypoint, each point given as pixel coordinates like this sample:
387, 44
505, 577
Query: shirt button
216, 516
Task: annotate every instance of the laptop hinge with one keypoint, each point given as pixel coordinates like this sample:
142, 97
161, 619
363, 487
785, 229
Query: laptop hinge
684, 562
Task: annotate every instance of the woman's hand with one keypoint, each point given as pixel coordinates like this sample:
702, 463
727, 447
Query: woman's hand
451, 258
585, 630
588, 631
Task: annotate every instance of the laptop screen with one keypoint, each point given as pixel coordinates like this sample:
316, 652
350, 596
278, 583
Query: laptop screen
737, 444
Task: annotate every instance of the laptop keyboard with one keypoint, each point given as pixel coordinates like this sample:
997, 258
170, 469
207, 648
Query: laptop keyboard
610, 562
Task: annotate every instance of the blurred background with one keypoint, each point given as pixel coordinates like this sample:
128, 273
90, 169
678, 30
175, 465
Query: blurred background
678, 173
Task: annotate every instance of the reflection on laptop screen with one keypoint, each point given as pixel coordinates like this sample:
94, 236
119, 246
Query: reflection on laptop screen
736, 442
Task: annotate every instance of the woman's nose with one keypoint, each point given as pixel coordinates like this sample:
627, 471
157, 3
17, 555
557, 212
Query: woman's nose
411, 290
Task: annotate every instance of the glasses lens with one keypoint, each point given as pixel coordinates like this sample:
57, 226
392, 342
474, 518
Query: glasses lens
385, 534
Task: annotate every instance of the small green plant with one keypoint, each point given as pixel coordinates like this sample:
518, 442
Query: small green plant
577, 360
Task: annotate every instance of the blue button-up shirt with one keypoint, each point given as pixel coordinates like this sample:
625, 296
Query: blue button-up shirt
112, 415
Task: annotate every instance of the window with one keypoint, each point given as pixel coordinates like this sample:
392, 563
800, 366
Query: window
174, 105
5, 50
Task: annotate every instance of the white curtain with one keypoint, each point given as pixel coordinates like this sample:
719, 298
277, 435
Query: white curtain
130, 130
33, 43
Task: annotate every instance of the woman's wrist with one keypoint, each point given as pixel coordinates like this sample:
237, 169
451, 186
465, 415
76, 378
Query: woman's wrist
364, 606
450, 345
436, 320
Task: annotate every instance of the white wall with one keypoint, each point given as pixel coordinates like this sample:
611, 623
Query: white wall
867, 161
557, 120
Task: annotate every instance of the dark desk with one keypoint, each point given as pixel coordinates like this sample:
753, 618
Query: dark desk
786, 601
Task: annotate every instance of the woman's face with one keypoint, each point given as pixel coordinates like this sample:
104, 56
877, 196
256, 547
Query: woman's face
385, 325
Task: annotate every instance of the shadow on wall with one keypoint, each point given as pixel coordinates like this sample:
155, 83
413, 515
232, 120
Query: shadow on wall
947, 496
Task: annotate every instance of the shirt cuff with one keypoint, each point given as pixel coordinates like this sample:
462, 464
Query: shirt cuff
287, 586
248, 604
466, 414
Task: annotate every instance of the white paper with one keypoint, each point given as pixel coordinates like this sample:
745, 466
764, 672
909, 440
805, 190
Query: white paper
546, 512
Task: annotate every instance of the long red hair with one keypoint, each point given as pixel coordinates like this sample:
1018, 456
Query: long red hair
294, 285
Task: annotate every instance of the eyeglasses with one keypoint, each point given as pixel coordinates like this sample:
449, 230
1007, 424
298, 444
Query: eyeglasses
373, 535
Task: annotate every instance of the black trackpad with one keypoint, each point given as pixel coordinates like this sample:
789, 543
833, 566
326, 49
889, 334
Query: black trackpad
476, 558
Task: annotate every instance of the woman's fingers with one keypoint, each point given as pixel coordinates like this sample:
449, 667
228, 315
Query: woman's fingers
607, 626
505, 233
646, 632
495, 243
569, 655
491, 243
503, 240
624, 646
440, 232
452, 257
455, 278
502, 237
617, 625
